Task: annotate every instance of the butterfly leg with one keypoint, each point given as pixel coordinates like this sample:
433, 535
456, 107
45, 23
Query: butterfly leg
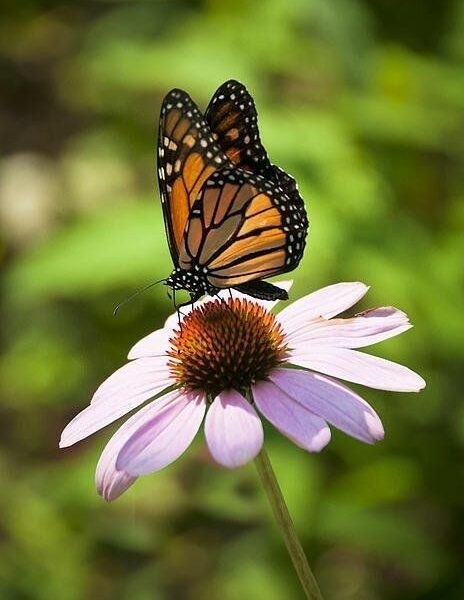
180, 313
176, 307
193, 298
226, 304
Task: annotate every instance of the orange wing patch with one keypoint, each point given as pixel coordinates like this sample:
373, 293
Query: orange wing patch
192, 168
171, 120
259, 203
224, 202
204, 174
242, 232
265, 240
233, 134
194, 236
268, 219
187, 156
219, 237
253, 268
179, 215
179, 131
210, 205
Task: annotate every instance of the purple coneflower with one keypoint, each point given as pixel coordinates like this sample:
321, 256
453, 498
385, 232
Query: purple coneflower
231, 359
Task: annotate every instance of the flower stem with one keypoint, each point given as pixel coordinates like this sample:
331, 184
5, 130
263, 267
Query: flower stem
285, 523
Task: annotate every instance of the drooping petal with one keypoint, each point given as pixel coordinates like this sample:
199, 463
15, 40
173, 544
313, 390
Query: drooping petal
163, 435
124, 390
365, 329
291, 418
153, 344
110, 482
332, 401
326, 302
233, 430
358, 367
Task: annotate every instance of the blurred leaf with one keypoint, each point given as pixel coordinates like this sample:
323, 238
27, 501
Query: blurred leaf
39, 370
125, 246
385, 535
396, 479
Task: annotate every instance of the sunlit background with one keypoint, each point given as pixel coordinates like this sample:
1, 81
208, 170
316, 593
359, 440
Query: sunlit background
363, 102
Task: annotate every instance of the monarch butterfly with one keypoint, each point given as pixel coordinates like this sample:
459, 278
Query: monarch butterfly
232, 218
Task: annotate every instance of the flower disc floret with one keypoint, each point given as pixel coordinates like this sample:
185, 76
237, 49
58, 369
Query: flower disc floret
226, 344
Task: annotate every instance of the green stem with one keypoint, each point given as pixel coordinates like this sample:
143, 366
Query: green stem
285, 523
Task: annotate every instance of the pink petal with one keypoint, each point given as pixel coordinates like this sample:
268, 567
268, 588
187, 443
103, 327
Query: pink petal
164, 434
292, 419
172, 322
124, 390
326, 302
358, 367
367, 328
332, 401
233, 430
110, 482
153, 344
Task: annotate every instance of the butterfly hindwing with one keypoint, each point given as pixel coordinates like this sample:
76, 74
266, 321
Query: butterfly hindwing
187, 156
242, 228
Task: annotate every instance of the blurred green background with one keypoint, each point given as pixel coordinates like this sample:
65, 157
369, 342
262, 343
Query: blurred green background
363, 102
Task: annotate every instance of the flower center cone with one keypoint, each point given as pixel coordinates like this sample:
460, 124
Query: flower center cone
226, 344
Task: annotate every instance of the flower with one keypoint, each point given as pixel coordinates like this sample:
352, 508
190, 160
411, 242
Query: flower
231, 357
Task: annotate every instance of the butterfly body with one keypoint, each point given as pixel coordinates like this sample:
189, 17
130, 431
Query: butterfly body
232, 218
196, 283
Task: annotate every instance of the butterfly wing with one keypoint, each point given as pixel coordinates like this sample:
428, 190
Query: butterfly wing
187, 156
232, 117
242, 228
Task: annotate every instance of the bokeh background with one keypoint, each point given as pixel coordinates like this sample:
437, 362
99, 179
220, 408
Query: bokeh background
363, 101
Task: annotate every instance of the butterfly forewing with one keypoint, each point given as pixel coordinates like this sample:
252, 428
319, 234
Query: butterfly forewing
187, 156
232, 117
242, 228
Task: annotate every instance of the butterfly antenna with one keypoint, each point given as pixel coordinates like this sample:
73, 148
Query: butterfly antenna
135, 294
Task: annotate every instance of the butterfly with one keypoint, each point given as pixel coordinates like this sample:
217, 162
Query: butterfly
232, 218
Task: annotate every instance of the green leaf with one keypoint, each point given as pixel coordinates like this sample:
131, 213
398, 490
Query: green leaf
121, 248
